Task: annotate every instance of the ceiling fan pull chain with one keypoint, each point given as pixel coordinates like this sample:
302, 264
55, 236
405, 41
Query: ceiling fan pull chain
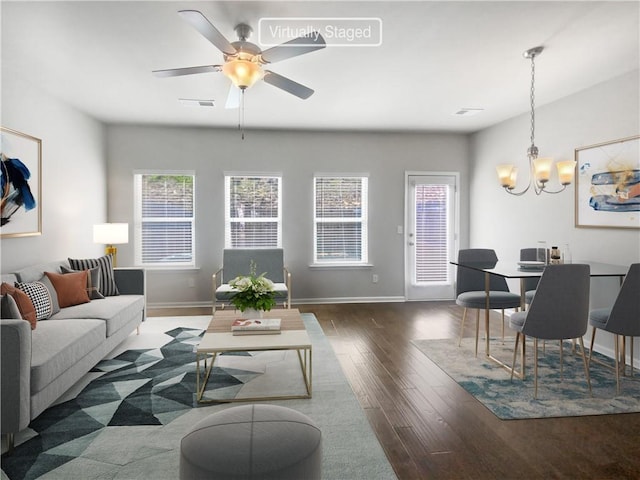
241, 113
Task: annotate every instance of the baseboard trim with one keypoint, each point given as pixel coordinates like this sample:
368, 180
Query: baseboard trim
298, 301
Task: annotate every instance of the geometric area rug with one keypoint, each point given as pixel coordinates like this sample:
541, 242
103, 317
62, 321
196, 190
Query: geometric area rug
127, 422
558, 396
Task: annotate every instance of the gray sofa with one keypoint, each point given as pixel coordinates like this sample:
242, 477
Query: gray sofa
40, 365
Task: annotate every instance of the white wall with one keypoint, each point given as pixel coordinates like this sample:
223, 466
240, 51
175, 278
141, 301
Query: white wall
297, 155
608, 111
73, 174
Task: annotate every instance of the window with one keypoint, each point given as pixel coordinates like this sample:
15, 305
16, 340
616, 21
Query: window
253, 209
340, 220
164, 219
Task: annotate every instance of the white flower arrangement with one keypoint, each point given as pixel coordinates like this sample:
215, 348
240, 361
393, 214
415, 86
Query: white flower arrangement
253, 291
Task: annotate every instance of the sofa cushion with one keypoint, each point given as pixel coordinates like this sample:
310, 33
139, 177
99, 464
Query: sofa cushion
34, 273
24, 303
57, 346
9, 308
40, 297
108, 285
93, 281
115, 312
70, 287
55, 306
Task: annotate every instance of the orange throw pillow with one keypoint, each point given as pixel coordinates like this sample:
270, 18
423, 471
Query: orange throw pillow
70, 287
25, 305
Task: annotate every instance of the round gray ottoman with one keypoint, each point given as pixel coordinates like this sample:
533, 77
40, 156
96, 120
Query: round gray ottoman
251, 442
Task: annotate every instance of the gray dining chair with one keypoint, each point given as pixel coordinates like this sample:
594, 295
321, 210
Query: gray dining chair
530, 284
470, 288
559, 311
622, 319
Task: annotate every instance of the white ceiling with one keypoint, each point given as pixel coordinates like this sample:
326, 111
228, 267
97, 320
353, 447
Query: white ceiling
435, 58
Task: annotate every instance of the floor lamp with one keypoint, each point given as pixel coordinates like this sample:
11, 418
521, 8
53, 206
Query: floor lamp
111, 234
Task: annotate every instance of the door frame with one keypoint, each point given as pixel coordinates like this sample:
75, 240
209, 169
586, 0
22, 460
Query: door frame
456, 222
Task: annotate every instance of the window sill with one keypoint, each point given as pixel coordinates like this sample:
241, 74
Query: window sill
346, 266
169, 268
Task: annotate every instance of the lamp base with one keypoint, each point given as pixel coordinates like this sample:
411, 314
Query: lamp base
113, 251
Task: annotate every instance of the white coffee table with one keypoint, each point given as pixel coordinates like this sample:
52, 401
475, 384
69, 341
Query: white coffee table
219, 339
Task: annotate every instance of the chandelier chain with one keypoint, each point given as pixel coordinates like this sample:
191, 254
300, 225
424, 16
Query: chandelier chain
533, 114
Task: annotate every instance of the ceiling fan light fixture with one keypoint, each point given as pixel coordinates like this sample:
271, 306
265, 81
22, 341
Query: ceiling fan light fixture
243, 73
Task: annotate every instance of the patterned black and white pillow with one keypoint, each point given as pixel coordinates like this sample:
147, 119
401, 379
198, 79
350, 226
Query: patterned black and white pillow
40, 297
108, 286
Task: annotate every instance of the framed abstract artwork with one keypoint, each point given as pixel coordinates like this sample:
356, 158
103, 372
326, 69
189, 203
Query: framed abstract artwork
21, 184
608, 184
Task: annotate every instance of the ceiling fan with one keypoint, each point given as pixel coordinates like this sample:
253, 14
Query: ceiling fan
244, 60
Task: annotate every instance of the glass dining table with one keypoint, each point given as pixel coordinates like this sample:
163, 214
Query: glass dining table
511, 270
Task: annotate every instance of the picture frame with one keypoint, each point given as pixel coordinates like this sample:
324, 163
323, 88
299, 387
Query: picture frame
21, 162
607, 190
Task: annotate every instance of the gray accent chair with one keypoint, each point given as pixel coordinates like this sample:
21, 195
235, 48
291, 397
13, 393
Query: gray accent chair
530, 284
559, 311
623, 318
237, 261
470, 287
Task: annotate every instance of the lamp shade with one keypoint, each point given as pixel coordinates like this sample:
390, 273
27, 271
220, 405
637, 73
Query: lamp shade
111, 233
566, 169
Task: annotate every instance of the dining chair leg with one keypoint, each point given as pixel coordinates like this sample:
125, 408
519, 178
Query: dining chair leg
524, 354
464, 318
515, 352
478, 329
561, 362
617, 355
593, 338
586, 365
631, 358
535, 368
502, 326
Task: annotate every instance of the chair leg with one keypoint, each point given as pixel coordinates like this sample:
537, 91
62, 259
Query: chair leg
617, 355
464, 318
477, 329
502, 325
593, 338
535, 368
515, 352
586, 365
631, 356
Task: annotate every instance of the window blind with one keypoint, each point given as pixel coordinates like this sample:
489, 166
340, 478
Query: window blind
253, 209
431, 237
340, 220
164, 219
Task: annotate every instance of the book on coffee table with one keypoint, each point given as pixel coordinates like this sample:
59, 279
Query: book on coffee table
255, 326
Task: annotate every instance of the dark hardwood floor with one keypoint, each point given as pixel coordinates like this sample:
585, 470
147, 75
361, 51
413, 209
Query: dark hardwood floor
430, 428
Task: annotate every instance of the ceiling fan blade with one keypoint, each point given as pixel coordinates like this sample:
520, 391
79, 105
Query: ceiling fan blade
177, 72
233, 99
298, 46
198, 21
288, 85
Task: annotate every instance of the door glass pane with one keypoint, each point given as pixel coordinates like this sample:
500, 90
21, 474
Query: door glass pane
431, 233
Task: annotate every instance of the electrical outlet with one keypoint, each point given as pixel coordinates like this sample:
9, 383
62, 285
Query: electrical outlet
374, 278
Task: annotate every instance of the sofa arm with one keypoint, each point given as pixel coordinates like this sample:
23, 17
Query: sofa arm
131, 281
15, 367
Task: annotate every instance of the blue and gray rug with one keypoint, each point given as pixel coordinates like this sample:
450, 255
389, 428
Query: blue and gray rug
558, 396
128, 423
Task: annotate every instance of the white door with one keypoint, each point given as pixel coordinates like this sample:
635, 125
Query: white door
430, 234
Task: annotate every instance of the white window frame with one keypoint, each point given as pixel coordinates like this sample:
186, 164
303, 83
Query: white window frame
138, 220
228, 220
364, 221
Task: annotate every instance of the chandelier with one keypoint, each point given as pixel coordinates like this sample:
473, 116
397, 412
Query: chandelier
539, 167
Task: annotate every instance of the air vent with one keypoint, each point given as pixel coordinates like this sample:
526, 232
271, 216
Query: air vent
194, 102
467, 112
